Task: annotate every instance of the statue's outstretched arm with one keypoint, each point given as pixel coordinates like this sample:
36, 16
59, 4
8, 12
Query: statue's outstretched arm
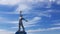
25, 20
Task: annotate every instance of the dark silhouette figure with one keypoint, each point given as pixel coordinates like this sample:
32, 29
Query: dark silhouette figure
21, 25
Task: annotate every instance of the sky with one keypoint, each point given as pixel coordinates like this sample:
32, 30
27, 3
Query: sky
43, 16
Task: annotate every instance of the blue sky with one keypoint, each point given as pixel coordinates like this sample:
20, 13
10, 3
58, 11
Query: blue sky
43, 16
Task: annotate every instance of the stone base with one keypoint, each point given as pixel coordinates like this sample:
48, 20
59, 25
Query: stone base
20, 32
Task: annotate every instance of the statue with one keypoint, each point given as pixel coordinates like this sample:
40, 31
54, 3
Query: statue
21, 25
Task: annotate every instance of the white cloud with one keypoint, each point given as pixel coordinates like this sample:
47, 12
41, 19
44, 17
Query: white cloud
31, 31
12, 2
9, 2
6, 20
20, 3
37, 30
54, 28
45, 13
31, 22
5, 32
15, 12
34, 20
41, 30
24, 4
56, 24
22, 7
2, 19
52, 0
55, 1
58, 2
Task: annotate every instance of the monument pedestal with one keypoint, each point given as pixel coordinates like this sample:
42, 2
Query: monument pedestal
20, 32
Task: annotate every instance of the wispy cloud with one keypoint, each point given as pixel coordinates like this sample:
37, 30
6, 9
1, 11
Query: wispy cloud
57, 1
9, 2
28, 7
43, 29
31, 31
25, 4
5, 32
57, 24
2, 19
30, 23
12, 2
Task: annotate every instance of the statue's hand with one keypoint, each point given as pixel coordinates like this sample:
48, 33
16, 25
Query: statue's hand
25, 19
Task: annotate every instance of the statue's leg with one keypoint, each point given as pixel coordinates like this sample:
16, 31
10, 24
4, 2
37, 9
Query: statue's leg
19, 27
23, 27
